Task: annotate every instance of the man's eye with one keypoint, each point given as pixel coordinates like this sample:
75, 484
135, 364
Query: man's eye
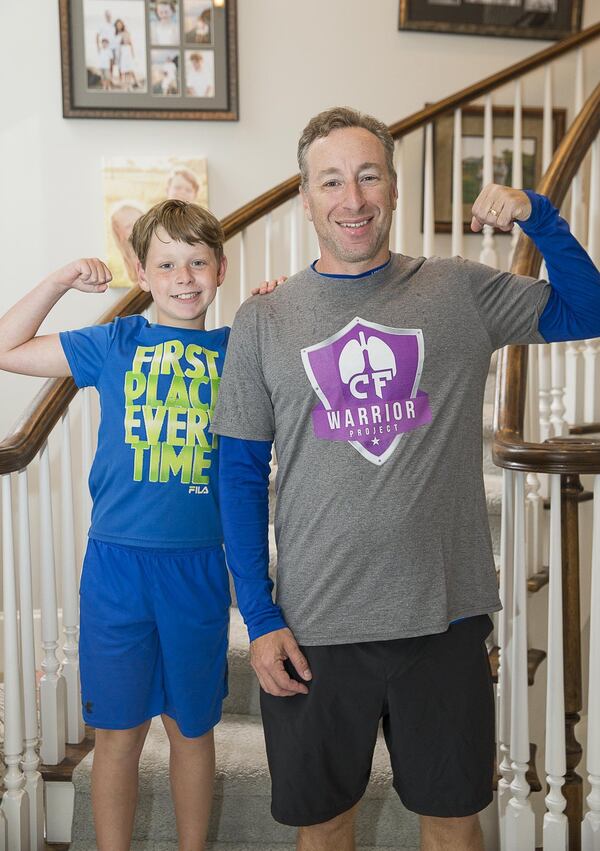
331, 183
369, 177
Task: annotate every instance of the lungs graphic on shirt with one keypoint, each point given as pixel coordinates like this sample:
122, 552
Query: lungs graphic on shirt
367, 378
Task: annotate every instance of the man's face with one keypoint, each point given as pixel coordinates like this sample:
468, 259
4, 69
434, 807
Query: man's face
350, 199
197, 62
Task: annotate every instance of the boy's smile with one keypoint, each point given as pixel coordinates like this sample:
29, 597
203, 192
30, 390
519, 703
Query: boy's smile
182, 279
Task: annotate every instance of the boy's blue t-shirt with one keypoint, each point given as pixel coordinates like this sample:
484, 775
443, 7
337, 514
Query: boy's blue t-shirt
154, 479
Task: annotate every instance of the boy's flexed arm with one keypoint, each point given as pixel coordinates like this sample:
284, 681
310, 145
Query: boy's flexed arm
20, 350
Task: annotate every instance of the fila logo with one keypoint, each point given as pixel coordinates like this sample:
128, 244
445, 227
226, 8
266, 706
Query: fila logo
198, 489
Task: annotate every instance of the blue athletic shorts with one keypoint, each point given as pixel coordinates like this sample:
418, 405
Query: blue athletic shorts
154, 630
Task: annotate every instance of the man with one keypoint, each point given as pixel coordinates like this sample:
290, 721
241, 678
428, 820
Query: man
367, 370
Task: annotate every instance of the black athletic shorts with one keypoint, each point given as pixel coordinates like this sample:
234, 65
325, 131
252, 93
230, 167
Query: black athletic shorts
435, 698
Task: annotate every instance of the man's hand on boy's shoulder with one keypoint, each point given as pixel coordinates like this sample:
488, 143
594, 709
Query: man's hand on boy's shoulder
268, 286
88, 274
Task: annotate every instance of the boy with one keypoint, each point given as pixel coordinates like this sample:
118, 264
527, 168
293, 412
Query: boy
154, 589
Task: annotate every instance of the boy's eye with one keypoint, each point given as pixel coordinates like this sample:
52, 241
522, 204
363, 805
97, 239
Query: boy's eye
166, 266
198, 263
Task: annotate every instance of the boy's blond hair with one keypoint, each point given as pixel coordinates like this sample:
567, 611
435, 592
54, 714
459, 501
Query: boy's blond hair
183, 221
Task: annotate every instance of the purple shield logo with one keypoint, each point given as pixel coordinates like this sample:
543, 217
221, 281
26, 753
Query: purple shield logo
367, 377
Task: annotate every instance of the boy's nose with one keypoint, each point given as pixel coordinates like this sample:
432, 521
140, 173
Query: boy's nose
184, 275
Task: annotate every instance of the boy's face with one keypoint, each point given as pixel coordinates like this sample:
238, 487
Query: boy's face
183, 280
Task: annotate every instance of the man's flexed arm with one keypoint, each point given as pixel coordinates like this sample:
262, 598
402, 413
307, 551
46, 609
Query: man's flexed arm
244, 504
572, 311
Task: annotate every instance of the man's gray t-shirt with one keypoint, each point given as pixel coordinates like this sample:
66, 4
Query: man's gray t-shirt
372, 390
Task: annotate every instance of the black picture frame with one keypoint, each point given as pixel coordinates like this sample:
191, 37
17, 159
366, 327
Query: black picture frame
91, 91
543, 19
472, 129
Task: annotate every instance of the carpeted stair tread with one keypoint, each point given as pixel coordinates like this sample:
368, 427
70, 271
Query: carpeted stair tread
241, 810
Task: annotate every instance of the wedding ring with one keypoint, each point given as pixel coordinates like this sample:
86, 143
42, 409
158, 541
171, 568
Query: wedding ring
493, 212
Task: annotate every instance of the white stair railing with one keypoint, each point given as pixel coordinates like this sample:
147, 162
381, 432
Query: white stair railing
15, 803
34, 784
52, 684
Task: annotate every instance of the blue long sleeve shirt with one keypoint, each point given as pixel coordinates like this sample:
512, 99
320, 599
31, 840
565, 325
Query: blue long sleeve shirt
572, 312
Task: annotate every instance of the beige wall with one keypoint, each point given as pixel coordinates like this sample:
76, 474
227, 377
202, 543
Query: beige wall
295, 58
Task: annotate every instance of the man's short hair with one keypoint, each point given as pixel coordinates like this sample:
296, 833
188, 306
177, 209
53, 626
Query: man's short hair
183, 222
335, 119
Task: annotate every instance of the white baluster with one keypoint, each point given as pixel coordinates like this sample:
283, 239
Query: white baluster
15, 803
268, 241
547, 140
520, 821
591, 413
457, 187
294, 236
428, 199
34, 784
70, 608
399, 217
87, 456
243, 283
574, 382
576, 217
574, 364
517, 162
52, 684
535, 507
505, 649
488, 248
590, 829
555, 822
545, 383
557, 406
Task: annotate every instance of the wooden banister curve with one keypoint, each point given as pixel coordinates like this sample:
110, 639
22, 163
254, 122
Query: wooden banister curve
28, 436
564, 455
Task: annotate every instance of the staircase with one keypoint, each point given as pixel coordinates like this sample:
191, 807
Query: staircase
241, 819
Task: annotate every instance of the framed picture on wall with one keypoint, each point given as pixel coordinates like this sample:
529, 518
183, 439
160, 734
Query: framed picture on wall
547, 19
169, 59
472, 155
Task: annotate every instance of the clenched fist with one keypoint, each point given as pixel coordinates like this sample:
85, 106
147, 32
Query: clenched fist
88, 274
499, 206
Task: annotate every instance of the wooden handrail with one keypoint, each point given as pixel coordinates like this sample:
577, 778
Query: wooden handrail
27, 437
559, 455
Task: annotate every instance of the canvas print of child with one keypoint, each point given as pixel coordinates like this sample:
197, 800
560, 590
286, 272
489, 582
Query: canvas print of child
131, 187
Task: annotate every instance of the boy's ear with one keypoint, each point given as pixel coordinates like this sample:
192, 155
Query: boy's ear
305, 204
222, 271
141, 276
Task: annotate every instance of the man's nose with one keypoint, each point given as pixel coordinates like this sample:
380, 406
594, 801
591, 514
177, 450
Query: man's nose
354, 198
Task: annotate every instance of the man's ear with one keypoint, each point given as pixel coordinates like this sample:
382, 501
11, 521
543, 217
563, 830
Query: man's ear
222, 271
141, 276
305, 204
